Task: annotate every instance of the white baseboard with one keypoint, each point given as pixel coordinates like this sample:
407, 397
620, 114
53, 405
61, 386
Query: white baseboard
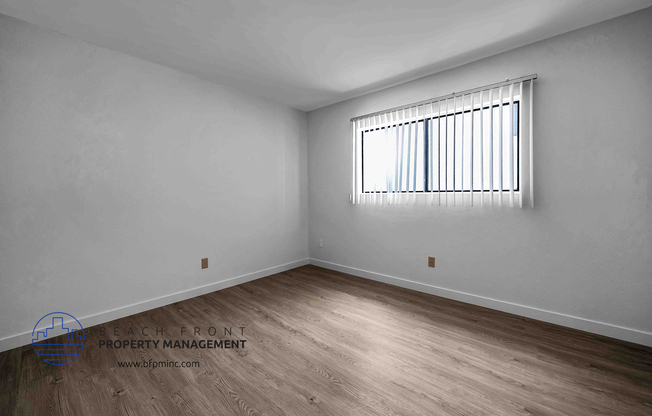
25, 338
588, 325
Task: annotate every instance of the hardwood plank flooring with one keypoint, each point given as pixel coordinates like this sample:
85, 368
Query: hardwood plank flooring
319, 342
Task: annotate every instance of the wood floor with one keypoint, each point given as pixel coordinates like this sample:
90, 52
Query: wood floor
320, 342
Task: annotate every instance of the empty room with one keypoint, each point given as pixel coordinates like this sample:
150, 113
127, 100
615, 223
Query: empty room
282, 207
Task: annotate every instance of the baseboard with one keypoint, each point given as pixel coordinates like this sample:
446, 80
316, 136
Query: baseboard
25, 338
588, 325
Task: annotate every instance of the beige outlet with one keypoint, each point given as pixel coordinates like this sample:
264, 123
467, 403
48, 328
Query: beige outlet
204, 263
431, 262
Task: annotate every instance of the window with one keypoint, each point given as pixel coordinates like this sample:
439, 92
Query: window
469, 144
417, 164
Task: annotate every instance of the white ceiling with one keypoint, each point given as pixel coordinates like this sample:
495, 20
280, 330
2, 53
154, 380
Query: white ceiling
311, 53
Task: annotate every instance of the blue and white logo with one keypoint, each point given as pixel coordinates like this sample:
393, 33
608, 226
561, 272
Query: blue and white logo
61, 349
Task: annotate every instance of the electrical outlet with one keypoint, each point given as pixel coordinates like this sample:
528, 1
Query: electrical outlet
321, 243
431, 262
204, 263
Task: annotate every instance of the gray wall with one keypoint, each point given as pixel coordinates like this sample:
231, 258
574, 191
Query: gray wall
118, 175
586, 248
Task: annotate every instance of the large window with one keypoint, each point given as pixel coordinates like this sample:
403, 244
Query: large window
467, 146
443, 153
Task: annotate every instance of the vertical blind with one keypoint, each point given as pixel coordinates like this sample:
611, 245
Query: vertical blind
465, 148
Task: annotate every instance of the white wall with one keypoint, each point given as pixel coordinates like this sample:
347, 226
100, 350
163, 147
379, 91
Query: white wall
118, 175
584, 251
